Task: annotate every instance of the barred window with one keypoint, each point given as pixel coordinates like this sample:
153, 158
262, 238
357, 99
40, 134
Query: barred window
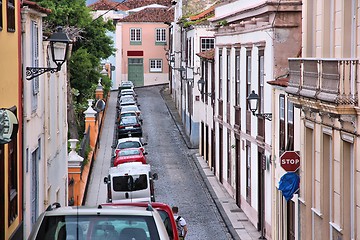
160, 35
135, 34
155, 65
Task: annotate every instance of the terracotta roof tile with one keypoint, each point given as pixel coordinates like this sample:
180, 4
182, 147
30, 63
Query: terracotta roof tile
282, 82
108, 5
208, 54
150, 15
208, 12
131, 4
36, 6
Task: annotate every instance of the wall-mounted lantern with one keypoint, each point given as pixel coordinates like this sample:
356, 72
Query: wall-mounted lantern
253, 104
58, 56
201, 86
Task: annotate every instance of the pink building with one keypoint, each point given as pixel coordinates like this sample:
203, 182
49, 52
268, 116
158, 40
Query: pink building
142, 39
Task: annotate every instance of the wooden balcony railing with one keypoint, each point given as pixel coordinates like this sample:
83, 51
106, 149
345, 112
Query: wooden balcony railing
329, 80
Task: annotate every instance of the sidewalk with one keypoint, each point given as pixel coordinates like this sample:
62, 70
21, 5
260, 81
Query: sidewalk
234, 218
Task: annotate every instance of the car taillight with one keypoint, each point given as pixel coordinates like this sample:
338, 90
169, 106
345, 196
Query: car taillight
109, 195
121, 127
138, 113
137, 125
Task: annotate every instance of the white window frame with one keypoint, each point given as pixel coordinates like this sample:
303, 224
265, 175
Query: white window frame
135, 34
205, 41
156, 65
160, 35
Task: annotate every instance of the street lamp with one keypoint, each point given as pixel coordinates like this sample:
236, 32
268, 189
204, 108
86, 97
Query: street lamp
58, 56
253, 104
201, 84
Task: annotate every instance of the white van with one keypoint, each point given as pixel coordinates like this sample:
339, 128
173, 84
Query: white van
130, 182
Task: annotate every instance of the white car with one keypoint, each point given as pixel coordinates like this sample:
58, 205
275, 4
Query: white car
101, 222
130, 142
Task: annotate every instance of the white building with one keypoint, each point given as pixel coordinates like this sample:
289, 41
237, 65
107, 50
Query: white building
44, 124
253, 42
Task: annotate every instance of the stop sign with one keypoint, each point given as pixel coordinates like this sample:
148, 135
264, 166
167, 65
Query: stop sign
290, 161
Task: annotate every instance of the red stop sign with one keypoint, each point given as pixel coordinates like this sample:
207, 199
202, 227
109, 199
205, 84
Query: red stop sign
290, 161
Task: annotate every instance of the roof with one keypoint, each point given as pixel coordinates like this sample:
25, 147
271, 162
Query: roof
150, 15
206, 13
129, 168
108, 5
282, 82
208, 54
131, 4
36, 6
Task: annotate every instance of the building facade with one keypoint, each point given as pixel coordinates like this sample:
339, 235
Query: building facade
252, 44
324, 86
11, 204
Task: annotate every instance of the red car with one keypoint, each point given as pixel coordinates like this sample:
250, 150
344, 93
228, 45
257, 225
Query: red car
163, 209
130, 155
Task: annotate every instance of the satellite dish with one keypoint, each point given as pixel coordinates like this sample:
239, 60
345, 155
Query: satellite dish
8, 126
100, 105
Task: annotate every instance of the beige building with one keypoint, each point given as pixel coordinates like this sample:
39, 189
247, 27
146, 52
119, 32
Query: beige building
324, 86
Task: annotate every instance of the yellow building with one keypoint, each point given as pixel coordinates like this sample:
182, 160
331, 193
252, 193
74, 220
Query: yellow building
324, 85
10, 98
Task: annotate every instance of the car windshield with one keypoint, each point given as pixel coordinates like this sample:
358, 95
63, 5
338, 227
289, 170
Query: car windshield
126, 114
129, 152
129, 183
128, 120
98, 227
129, 145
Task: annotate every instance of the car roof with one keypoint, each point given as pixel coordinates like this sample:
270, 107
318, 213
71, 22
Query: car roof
100, 210
130, 139
129, 168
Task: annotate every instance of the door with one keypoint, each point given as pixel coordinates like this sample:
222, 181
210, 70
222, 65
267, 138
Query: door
136, 71
291, 220
34, 184
237, 172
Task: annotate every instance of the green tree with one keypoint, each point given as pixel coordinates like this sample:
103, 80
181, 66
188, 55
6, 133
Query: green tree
90, 45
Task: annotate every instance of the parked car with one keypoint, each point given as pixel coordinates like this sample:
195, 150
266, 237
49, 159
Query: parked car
127, 101
131, 142
131, 108
129, 126
130, 155
130, 182
163, 209
126, 114
102, 222
130, 92
126, 85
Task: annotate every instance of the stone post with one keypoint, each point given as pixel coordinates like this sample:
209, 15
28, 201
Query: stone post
74, 174
99, 92
90, 121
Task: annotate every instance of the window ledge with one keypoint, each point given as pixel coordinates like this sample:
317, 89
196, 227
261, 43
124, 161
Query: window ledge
301, 200
317, 212
337, 227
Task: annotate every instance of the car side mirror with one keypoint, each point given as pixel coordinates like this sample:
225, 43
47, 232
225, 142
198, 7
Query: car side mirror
106, 180
145, 153
155, 176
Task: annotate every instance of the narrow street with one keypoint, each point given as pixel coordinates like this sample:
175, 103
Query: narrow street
180, 182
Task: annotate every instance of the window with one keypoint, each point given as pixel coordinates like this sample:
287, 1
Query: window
248, 172
207, 43
220, 74
237, 77
12, 179
281, 124
135, 36
1, 15
34, 31
248, 74
160, 35
10, 12
290, 126
228, 83
155, 65
261, 81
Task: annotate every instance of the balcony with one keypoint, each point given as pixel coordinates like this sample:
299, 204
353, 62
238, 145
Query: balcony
323, 82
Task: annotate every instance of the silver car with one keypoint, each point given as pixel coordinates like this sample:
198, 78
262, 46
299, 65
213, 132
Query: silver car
102, 222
